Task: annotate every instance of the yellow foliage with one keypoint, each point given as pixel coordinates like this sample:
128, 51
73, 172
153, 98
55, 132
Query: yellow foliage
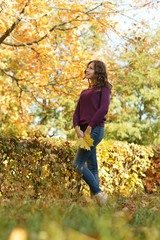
89, 140
45, 49
85, 142
18, 234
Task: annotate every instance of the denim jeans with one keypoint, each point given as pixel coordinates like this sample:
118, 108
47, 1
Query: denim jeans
89, 172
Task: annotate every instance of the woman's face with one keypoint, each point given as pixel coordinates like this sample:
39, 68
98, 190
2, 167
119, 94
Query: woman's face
90, 71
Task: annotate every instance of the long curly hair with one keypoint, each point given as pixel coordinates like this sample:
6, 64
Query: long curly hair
100, 74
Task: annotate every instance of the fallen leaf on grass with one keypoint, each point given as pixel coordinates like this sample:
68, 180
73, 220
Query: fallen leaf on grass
18, 234
73, 234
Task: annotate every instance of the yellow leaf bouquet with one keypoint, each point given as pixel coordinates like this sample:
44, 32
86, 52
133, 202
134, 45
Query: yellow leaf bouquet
85, 142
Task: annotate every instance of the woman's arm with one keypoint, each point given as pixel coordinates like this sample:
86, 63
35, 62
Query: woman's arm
76, 115
79, 132
88, 130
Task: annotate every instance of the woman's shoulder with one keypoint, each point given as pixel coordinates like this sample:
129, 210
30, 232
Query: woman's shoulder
105, 88
106, 91
85, 90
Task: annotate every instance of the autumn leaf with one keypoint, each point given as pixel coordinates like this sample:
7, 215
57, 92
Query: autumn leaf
89, 140
85, 142
18, 233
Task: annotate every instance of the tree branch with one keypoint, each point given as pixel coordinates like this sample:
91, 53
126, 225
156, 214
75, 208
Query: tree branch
9, 30
53, 28
11, 76
26, 45
18, 85
40, 39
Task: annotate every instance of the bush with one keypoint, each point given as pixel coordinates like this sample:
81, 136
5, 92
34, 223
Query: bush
123, 166
152, 181
37, 167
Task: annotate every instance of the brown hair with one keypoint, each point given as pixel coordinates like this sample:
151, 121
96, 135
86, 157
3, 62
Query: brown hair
100, 74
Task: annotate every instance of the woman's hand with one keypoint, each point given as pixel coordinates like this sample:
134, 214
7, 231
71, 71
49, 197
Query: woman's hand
88, 130
79, 132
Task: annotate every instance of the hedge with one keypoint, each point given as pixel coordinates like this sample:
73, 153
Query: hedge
152, 180
40, 167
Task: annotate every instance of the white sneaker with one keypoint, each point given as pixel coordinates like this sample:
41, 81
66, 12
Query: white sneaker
101, 199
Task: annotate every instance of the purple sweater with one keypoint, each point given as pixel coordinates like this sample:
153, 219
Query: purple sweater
92, 107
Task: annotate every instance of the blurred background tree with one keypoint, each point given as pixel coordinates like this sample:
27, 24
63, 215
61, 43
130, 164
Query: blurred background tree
135, 106
44, 49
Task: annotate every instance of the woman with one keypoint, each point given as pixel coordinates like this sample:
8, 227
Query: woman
89, 118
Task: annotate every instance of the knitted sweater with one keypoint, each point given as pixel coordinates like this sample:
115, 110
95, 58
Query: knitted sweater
92, 107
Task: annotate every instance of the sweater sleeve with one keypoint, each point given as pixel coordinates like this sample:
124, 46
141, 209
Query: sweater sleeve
103, 109
76, 115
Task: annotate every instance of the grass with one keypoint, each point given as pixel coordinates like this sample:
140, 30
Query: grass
133, 218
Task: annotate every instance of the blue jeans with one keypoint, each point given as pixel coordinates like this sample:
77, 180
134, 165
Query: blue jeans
89, 173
